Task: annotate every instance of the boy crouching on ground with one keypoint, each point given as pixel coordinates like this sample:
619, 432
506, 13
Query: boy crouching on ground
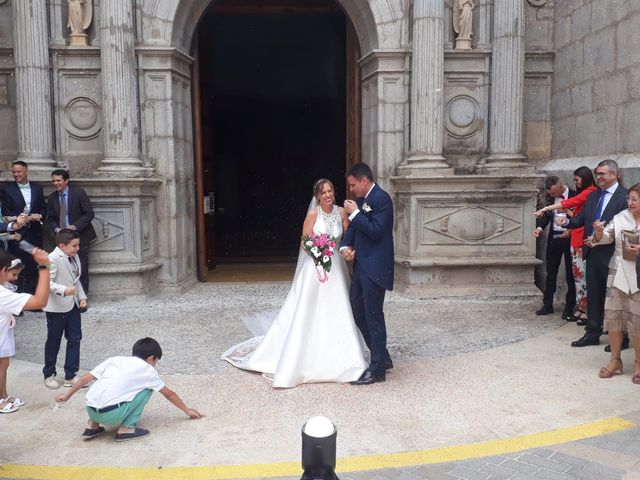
122, 388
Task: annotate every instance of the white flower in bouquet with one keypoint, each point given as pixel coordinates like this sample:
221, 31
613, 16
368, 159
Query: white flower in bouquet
326, 259
316, 252
309, 244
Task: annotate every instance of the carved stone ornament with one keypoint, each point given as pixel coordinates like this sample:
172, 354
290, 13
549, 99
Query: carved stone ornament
80, 16
82, 118
462, 116
470, 225
537, 3
463, 23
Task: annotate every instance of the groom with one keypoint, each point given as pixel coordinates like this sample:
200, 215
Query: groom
369, 240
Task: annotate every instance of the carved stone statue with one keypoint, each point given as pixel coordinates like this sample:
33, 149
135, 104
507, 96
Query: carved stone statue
463, 23
80, 15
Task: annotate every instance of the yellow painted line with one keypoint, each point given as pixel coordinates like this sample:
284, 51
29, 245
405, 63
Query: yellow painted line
293, 469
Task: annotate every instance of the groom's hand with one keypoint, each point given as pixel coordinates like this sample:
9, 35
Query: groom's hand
350, 206
348, 254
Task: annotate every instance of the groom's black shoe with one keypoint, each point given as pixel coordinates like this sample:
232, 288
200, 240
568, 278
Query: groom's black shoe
368, 377
388, 365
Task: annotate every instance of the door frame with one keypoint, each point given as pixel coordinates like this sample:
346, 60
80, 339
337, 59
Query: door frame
353, 126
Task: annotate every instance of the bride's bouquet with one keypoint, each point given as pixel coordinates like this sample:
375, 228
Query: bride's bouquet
320, 248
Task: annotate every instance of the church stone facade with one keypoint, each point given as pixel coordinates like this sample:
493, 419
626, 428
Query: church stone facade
463, 102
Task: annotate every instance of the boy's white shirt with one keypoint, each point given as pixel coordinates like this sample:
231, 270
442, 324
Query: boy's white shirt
61, 277
120, 379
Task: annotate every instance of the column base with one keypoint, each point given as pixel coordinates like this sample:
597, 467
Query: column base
38, 163
508, 163
425, 166
129, 167
510, 277
465, 235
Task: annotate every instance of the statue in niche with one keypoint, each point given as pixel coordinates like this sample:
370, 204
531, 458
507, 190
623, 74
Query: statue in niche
463, 23
80, 15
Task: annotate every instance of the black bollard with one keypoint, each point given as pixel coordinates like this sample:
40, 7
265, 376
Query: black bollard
319, 449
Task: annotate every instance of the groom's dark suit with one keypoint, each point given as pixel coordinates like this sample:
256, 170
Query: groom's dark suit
371, 235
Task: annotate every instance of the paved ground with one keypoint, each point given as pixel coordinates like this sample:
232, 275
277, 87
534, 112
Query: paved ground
467, 373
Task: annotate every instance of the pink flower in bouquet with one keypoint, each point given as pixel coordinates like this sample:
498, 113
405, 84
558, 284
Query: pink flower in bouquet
320, 248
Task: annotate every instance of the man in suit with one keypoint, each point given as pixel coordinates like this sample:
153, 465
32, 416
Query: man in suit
369, 241
558, 246
27, 199
66, 299
602, 204
69, 207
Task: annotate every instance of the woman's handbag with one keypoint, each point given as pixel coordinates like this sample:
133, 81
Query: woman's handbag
630, 237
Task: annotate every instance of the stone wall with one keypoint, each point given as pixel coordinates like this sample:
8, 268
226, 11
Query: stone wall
538, 78
596, 87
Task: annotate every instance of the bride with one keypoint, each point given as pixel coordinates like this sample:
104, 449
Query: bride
313, 338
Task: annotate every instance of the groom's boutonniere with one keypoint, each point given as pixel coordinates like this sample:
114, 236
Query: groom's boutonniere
365, 207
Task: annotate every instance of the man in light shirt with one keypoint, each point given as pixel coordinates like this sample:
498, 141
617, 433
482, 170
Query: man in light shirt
24, 199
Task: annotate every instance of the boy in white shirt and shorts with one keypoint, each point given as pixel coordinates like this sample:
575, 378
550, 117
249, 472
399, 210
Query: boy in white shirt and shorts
122, 388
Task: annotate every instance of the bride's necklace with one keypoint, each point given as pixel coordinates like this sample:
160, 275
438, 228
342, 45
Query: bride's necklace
329, 218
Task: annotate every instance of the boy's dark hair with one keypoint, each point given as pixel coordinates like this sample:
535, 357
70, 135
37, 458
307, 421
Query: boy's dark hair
65, 236
61, 173
145, 348
359, 171
5, 259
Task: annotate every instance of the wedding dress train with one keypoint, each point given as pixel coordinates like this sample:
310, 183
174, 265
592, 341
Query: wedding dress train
313, 337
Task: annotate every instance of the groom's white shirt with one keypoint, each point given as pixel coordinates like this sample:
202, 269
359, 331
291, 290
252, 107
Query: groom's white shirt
357, 210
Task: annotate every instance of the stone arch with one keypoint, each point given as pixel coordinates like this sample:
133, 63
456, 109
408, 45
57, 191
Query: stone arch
170, 23
165, 32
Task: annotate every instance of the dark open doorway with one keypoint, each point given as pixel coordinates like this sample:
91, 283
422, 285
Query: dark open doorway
275, 100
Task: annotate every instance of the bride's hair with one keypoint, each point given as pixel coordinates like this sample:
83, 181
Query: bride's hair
319, 185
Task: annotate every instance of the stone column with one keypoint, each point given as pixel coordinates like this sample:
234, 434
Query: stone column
507, 87
427, 82
33, 95
119, 89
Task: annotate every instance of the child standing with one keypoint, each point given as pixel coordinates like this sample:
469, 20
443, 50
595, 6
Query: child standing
66, 300
122, 388
11, 304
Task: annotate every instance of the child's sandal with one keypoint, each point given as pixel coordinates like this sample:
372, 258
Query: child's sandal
9, 407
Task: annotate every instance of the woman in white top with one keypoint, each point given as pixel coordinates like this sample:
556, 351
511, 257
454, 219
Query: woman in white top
314, 337
12, 304
622, 305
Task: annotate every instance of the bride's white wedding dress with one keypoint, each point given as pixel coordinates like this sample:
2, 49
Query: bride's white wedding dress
313, 338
